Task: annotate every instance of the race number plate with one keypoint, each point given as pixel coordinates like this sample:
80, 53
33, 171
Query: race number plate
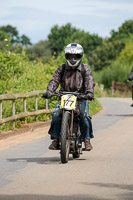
68, 102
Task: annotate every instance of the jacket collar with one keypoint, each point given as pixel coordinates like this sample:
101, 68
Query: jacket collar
78, 68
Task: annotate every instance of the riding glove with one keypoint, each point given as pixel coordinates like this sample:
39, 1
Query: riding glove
47, 95
130, 78
90, 96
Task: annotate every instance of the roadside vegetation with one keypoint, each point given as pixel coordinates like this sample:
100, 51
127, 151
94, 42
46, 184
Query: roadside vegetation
26, 67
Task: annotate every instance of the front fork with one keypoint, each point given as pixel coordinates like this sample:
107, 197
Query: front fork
71, 120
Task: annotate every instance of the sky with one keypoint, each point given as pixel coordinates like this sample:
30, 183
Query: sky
35, 18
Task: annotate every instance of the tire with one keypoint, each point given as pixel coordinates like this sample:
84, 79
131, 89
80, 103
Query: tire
65, 140
76, 155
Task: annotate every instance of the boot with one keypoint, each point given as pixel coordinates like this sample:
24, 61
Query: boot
54, 145
88, 146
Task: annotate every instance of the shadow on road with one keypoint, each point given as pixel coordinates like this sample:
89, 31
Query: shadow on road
123, 115
47, 197
112, 185
41, 160
126, 196
122, 196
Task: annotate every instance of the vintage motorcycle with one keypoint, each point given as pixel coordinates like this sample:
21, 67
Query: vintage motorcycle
70, 137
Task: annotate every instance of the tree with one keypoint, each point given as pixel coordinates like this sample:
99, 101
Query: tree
104, 55
59, 36
40, 51
126, 55
124, 31
2, 35
14, 35
25, 41
12, 32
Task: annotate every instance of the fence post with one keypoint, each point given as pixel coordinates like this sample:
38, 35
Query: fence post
13, 112
113, 87
46, 104
0, 110
36, 106
24, 107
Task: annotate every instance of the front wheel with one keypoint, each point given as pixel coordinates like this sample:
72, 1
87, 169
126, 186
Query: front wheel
64, 138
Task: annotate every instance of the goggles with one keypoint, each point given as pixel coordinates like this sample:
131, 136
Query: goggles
73, 56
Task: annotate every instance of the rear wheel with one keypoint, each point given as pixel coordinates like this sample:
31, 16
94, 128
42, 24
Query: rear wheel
78, 146
64, 138
76, 155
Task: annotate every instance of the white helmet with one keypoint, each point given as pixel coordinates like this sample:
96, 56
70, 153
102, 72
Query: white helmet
76, 51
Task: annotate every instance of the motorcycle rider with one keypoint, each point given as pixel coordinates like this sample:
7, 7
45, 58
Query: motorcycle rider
130, 78
72, 77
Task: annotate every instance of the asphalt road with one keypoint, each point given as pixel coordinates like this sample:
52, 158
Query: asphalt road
29, 171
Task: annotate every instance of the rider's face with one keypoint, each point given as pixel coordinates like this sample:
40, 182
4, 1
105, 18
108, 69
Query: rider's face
73, 57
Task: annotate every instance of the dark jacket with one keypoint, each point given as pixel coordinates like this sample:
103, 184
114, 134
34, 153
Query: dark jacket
130, 77
72, 80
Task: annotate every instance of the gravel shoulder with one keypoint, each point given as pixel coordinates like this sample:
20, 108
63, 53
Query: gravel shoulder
27, 133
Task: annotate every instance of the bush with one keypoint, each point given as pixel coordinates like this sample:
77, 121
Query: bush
117, 72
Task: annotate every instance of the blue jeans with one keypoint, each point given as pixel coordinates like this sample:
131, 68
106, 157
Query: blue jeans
85, 122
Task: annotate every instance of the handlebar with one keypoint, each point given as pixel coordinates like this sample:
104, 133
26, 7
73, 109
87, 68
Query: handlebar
79, 95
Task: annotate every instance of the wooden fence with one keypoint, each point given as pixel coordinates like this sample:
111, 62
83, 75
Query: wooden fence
25, 113
120, 87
